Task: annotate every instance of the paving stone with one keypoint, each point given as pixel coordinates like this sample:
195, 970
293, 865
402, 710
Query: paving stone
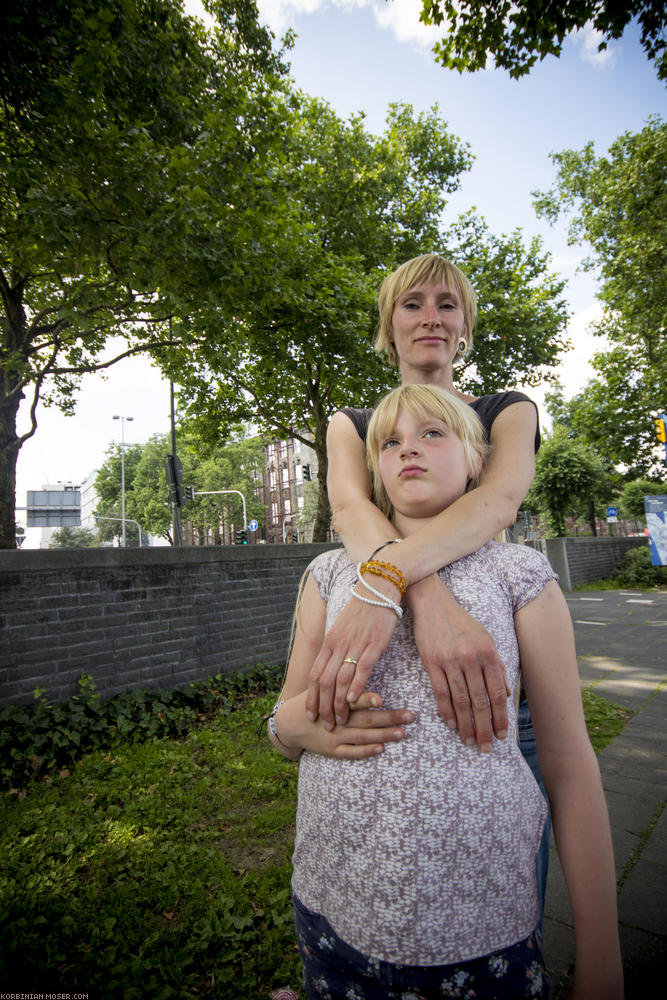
641, 903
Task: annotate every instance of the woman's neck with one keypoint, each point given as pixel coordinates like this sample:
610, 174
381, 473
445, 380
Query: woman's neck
440, 377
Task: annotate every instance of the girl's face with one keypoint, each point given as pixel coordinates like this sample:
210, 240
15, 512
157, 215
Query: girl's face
426, 327
423, 465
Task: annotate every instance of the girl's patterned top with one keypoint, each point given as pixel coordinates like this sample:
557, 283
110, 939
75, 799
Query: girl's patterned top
425, 853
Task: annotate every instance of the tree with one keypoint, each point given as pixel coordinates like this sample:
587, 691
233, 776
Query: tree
108, 488
619, 204
567, 474
632, 496
518, 34
356, 205
112, 113
233, 465
308, 513
73, 538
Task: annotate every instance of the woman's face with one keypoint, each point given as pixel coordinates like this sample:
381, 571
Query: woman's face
426, 327
423, 465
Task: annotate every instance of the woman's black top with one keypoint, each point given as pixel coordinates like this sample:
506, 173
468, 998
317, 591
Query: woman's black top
487, 409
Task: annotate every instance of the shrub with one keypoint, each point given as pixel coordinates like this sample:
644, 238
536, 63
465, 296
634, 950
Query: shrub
636, 570
41, 738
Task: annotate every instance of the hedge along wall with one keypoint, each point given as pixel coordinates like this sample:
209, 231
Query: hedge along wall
142, 618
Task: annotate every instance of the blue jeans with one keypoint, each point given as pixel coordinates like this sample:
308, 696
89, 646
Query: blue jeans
332, 970
529, 751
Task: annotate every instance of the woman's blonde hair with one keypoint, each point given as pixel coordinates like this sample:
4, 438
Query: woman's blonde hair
424, 401
428, 269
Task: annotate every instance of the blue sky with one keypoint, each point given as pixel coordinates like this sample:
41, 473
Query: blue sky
360, 55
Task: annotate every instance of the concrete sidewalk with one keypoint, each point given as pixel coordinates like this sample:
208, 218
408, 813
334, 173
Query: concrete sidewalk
622, 651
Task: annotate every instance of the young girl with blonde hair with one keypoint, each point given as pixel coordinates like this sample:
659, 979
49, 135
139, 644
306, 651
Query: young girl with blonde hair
414, 862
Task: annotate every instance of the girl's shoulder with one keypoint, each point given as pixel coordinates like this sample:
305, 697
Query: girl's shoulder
520, 570
328, 567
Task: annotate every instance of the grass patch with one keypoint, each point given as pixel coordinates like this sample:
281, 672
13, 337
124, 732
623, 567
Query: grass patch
160, 869
604, 719
154, 871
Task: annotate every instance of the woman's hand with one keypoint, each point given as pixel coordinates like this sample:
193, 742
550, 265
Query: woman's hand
368, 728
360, 633
467, 674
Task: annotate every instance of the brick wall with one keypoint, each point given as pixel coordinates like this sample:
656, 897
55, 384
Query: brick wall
142, 618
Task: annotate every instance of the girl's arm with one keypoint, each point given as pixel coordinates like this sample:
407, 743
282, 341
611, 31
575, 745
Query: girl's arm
467, 674
368, 727
572, 780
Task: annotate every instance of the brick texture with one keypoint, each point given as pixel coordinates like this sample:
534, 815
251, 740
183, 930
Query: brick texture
142, 618
146, 618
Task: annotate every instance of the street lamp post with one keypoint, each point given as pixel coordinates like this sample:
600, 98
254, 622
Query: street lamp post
122, 475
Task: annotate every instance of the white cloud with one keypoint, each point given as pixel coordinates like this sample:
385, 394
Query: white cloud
588, 39
401, 17
279, 14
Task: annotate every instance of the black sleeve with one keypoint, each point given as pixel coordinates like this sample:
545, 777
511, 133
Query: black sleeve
360, 419
488, 408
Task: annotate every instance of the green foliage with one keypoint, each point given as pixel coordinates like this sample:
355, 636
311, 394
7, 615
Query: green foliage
632, 497
636, 570
234, 464
518, 34
37, 740
521, 312
619, 207
355, 205
159, 869
156, 870
73, 538
567, 474
121, 122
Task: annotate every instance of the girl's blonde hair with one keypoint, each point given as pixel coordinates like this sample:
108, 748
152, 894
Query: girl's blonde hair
424, 401
428, 269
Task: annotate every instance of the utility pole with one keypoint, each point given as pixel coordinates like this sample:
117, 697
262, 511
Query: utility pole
122, 478
176, 486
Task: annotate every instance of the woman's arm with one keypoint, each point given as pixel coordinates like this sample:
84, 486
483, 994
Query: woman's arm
572, 780
467, 674
368, 728
474, 519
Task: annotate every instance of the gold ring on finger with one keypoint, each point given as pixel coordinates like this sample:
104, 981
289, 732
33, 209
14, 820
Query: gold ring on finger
349, 659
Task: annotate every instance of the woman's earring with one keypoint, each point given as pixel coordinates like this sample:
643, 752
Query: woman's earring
463, 346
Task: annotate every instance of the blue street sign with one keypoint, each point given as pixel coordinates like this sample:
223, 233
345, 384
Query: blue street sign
253, 525
612, 511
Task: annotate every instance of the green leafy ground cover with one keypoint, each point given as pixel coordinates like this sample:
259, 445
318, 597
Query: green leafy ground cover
160, 869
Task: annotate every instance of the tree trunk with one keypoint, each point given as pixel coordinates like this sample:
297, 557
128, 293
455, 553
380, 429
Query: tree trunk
591, 518
9, 452
323, 516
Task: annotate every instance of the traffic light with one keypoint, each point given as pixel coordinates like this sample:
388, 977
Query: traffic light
189, 493
241, 537
660, 430
306, 472
174, 479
